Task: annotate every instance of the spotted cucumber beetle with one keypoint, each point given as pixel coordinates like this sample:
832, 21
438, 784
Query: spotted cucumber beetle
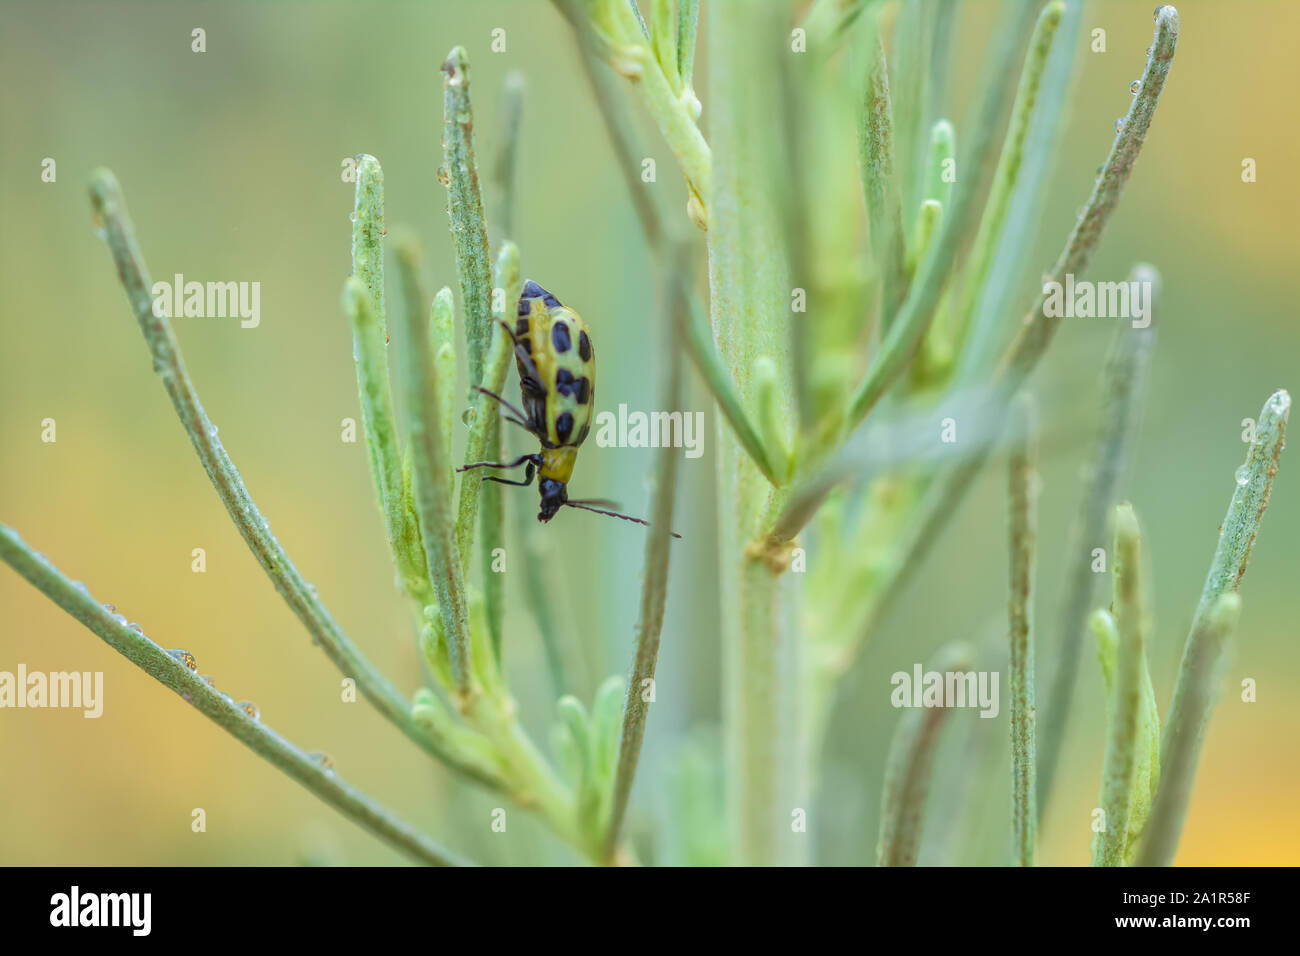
557, 382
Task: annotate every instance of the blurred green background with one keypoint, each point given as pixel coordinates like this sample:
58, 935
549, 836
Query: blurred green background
230, 161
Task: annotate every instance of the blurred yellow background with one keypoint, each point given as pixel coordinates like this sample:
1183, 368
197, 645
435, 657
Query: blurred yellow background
230, 162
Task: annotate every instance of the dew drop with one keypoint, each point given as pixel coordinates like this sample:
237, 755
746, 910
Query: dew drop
212, 430
323, 760
1119, 125
1243, 475
1148, 51
250, 708
467, 417
119, 618
353, 217
1135, 87
136, 627
207, 679
185, 657
81, 586
109, 608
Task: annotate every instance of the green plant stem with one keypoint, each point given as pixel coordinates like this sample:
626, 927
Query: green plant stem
371, 354
111, 214
1201, 667
1124, 387
1023, 355
1199, 676
429, 468
908, 770
917, 311
695, 332
465, 209
505, 276
880, 187
654, 586
625, 44
1033, 339
765, 748
688, 19
495, 365
1016, 255
1007, 174
261, 739
1119, 768
1023, 531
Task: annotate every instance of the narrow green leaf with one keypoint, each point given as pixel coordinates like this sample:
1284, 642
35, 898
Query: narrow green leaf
1201, 667
908, 769
880, 187
1022, 495
465, 209
171, 672
429, 467
1123, 731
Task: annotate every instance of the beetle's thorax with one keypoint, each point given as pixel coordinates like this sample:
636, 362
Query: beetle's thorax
557, 464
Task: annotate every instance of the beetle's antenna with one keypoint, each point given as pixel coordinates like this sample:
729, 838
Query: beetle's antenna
586, 505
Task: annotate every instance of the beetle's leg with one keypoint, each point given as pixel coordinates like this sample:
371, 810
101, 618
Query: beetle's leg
522, 418
528, 478
533, 460
522, 356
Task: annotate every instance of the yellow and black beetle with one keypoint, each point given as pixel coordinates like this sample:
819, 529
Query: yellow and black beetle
557, 382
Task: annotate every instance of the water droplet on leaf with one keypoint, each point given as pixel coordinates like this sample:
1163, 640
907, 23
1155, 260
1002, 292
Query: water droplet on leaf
250, 708
185, 657
1119, 125
324, 760
1135, 87
1243, 475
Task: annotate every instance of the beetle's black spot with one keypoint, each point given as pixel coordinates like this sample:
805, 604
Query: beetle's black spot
566, 384
533, 291
582, 433
526, 344
584, 347
551, 301
521, 327
524, 306
584, 391
560, 337
564, 427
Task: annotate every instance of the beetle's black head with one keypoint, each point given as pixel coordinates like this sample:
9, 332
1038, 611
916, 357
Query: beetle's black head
554, 496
